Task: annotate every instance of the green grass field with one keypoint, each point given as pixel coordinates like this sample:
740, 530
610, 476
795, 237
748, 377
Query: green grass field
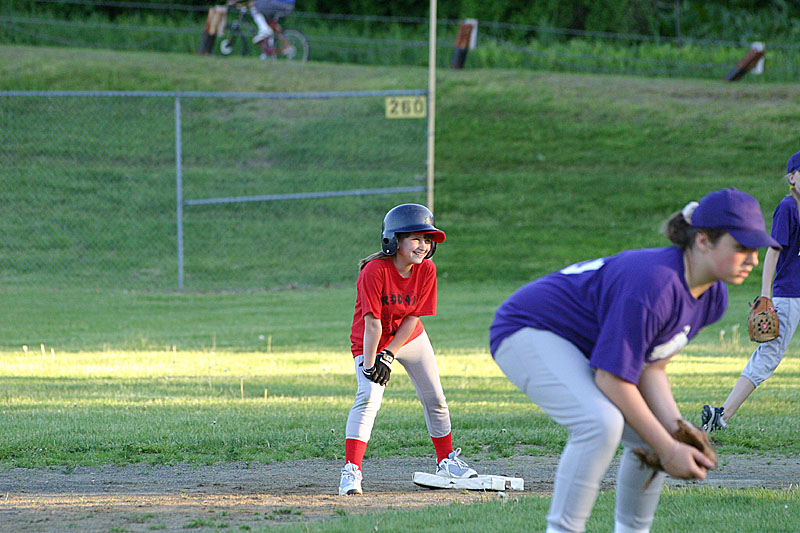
172, 405
534, 171
751, 510
66, 408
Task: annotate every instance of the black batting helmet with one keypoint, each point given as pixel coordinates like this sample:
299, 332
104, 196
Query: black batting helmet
408, 218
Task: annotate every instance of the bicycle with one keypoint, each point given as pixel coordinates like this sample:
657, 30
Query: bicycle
289, 45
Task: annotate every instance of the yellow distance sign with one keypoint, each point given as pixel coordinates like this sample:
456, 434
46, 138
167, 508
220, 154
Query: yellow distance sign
406, 107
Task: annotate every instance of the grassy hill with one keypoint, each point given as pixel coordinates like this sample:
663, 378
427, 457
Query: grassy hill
534, 170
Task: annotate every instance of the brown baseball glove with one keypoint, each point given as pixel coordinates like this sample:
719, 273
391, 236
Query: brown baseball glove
688, 434
762, 324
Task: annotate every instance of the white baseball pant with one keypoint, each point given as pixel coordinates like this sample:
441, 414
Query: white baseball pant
768, 355
419, 361
553, 373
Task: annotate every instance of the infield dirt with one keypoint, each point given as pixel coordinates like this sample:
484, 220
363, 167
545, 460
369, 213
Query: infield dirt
235, 496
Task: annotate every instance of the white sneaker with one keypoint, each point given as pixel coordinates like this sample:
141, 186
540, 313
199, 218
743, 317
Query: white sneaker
289, 51
351, 480
712, 418
453, 467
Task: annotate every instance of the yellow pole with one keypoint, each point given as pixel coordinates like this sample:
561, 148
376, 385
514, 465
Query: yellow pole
431, 102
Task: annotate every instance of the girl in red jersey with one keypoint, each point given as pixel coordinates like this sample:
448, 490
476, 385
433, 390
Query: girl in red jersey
395, 287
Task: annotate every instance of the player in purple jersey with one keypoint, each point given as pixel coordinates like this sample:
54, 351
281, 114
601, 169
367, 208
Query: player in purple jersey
590, 344
784, 266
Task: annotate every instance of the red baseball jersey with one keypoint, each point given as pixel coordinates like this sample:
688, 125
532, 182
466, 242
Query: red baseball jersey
382, 291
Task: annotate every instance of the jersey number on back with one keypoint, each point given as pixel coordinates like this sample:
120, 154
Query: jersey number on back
580, 268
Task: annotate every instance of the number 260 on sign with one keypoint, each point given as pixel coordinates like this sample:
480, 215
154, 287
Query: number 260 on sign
405, 107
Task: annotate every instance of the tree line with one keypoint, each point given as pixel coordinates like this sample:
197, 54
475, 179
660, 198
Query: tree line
701, 19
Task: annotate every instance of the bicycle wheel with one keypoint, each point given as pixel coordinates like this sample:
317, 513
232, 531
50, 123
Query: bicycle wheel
297, 49
230, 41
226, 45
235, 37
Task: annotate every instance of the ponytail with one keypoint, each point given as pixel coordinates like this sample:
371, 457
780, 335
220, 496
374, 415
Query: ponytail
679, 230
381, 254
377, 255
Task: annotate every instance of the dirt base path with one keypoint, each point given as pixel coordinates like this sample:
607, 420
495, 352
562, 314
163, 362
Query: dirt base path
232, 495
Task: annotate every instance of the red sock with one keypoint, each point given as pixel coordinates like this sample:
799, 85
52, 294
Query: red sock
443, 445
354, 451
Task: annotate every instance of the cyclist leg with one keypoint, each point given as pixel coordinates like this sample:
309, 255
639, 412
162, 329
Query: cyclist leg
261, 11
281, 12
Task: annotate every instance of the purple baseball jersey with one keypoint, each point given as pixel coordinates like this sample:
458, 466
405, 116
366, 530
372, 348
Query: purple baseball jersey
785, 224
621, 311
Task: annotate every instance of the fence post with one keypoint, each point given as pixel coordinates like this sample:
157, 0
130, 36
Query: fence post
179, 189
749, 62
465, 40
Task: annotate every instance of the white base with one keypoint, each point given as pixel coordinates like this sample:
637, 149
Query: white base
497, 483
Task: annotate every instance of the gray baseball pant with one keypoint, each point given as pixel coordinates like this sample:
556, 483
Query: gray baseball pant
768, 355
419, 361
553, 373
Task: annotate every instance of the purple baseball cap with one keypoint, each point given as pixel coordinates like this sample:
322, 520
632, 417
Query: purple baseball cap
736, 212
793, 163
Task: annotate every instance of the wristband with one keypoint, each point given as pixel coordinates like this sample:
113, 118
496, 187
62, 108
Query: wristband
386, 357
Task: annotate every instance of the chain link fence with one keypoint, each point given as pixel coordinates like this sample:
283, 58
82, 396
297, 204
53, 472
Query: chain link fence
154, 191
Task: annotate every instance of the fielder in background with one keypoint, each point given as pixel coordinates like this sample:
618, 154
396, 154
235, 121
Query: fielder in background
784, 266
590, 345
395, 287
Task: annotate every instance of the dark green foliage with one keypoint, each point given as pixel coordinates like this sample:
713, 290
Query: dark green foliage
719, 19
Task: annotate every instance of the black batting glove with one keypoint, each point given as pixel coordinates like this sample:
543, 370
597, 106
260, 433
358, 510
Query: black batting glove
382, 370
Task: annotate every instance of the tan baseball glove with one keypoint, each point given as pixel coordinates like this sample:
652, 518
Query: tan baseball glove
688, 434
762, 324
